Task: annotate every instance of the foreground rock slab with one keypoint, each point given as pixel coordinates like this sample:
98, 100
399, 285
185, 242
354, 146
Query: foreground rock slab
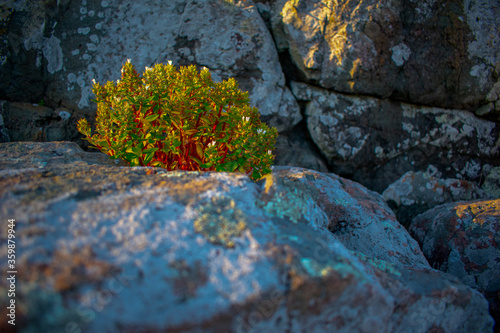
106, 248
463, 239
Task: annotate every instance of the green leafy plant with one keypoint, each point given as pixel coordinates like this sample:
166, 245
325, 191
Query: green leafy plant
180, 120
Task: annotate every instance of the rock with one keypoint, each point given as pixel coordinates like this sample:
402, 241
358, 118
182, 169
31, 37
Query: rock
69, 44
417, 192
376, 141
463, 239
141, 249
295, 148
4, 132
491, 184
34, 122
442, 53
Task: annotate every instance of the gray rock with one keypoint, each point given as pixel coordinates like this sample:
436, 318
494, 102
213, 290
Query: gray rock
491, 184
34, 122
295, 148
462, 239
113, 248
377, 141
417, 192
71, 43
439, 53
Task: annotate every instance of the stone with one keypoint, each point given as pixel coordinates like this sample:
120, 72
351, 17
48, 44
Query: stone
4, 132
491, 184
417, 192
463, 239
35, 122
294, 148
439, 53
70, 43
141, 249
375, 141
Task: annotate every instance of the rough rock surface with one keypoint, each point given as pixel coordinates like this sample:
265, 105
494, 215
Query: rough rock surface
438, 53
295, 148
377, 141
417, 192
113, 248
33, 122
62, 47
463, 239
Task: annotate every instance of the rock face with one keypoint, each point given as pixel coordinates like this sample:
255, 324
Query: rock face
382, 87
33, 122
69, 44
439, 53
113, 248
463, 239
376, 141
417, 192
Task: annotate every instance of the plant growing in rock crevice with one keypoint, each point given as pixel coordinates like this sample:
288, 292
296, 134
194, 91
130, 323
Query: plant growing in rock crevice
180, 120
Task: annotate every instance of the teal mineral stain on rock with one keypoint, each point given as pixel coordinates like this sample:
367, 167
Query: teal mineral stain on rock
378, 263
286, 198
220, 221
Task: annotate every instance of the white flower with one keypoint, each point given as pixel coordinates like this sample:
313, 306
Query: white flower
148, 68
128, 61
170, 62
211, 144
204, 68
147, 87
269, 152
93, 81
117, 81
261, 131
245, 118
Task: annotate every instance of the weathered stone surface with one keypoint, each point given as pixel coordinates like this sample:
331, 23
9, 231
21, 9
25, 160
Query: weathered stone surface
33, 122
108, 248
417, 192
491, 184
70, 43
439, 53
295, 148
463, 239
377, 141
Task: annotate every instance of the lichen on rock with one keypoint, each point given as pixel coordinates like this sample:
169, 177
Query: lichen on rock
220, 221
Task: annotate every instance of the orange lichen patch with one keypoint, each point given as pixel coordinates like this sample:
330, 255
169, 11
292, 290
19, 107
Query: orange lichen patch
68, 270
480, 210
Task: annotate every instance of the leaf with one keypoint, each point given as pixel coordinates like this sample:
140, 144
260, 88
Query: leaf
199, 149
206, 165
151, 118
176, 143
150, 150
148, 158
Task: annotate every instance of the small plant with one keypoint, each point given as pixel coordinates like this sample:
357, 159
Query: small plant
180, 120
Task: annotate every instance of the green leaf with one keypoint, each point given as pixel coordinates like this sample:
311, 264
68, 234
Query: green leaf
206, 165
176, 143
150, 150
148, 158
151, 117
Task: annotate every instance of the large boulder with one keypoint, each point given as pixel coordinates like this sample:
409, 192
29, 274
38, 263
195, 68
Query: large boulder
417, 192
57, 49
106, 248
463, 239
376, 141
439, 53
